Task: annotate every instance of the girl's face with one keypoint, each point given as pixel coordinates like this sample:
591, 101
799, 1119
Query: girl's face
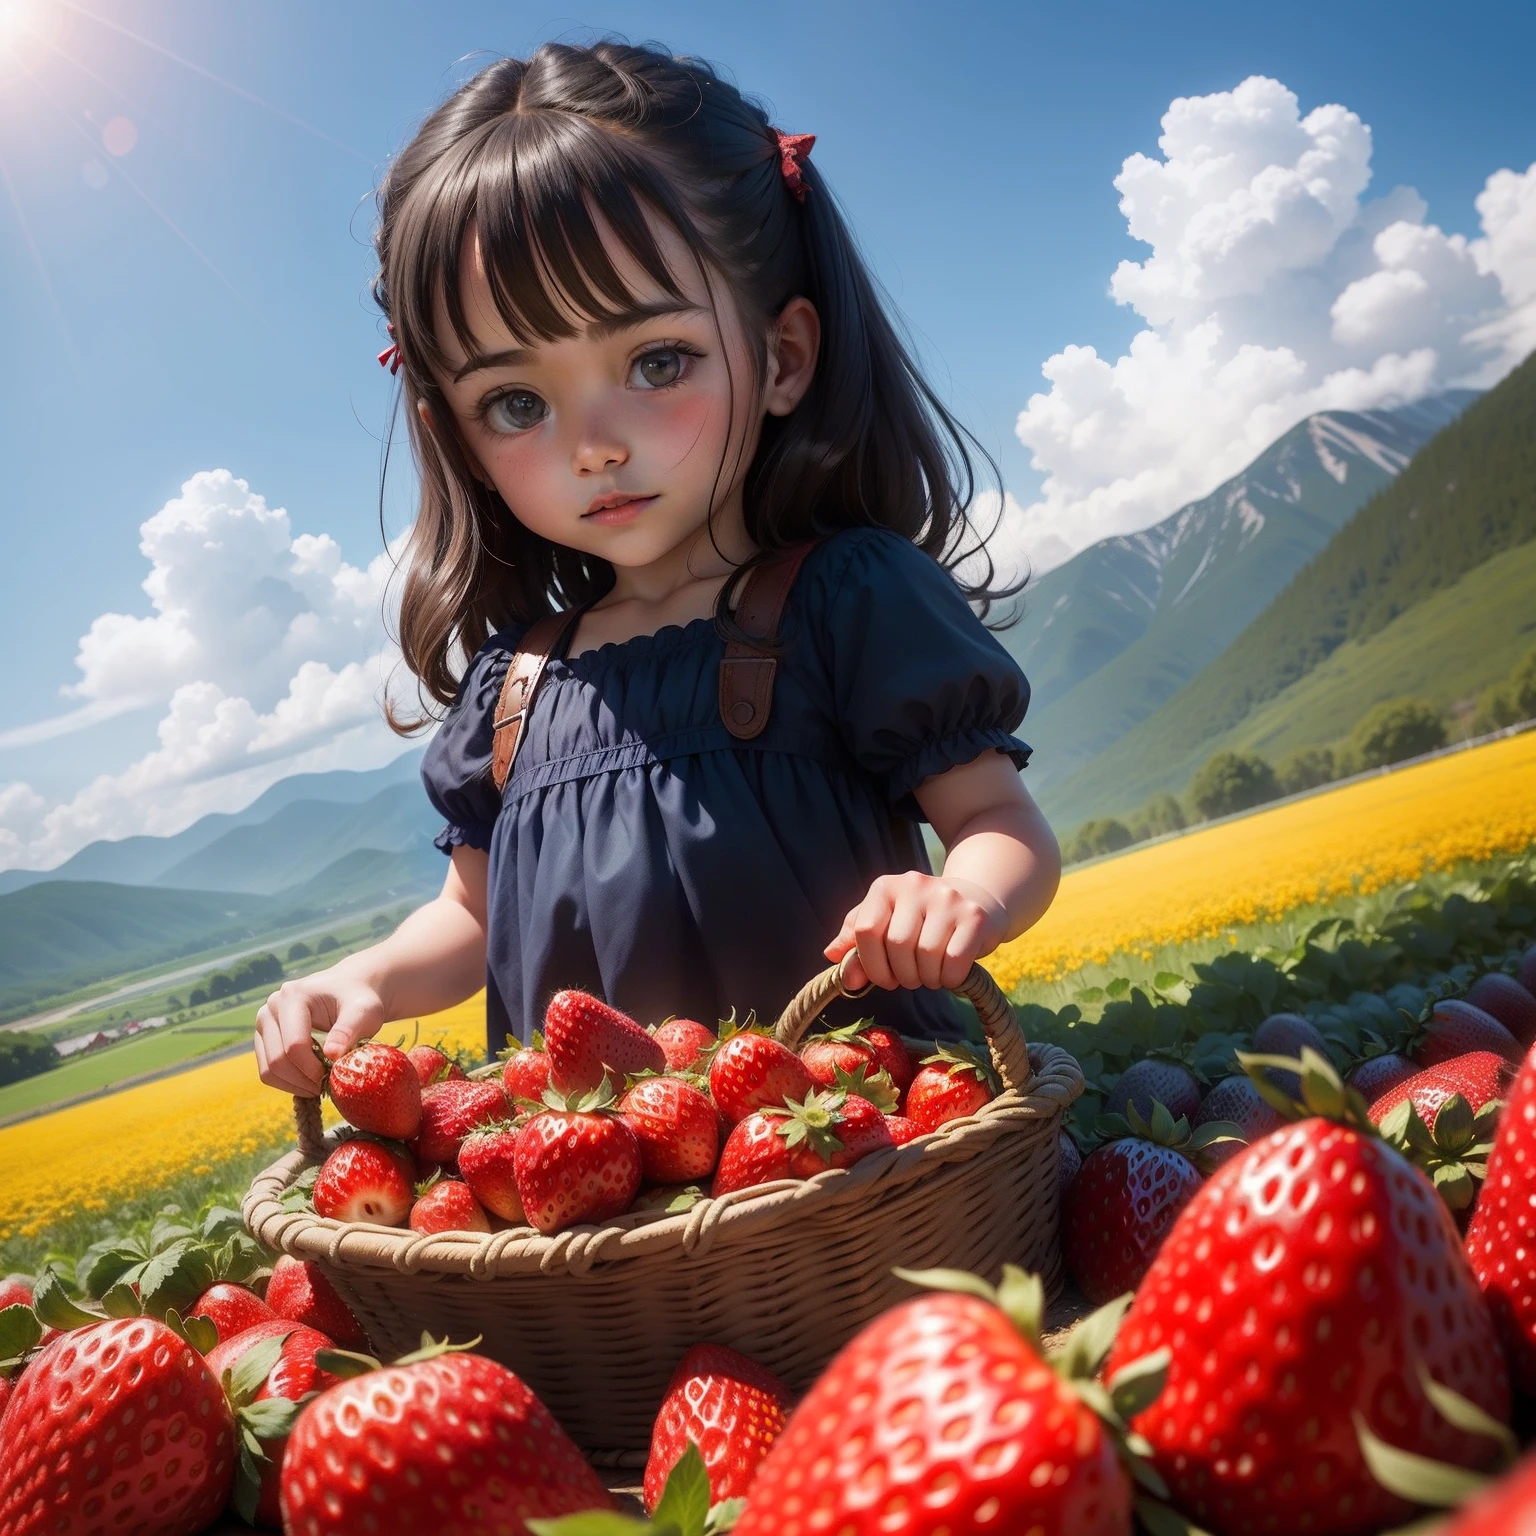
619, 440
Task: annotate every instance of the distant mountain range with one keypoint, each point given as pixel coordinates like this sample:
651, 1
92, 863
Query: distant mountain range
1115, 632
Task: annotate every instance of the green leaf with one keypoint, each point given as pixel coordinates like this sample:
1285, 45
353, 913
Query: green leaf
220, 1222
723, 1516
1453, 1125
120, 1301
104, 1270
1416, 1478
961, 1280
200, 1333
19, 1330
684, 1501
1455, 1185
272, 1418
247, 1492
593, 1522
345, 1363
1090, 1342
250, 1371
1394, 1124
1137, 1386
54, 1308
1022, 1296
1160, 1520
1464, 1415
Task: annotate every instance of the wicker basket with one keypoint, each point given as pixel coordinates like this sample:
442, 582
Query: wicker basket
595, 1318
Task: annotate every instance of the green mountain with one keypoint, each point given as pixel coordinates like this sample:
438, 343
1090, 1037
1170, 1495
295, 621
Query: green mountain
1426, 591
1108, 637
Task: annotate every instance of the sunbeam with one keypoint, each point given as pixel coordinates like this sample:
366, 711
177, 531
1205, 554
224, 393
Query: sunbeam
208, 74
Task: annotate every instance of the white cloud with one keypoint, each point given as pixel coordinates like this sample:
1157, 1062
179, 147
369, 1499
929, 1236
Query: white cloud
1272, 291
264, 649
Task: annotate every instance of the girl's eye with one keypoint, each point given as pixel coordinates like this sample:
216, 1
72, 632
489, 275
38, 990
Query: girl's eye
515, 411
659, 368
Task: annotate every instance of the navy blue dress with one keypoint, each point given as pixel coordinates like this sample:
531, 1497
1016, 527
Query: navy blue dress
643, 853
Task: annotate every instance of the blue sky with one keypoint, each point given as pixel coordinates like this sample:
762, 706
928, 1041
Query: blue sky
200, 301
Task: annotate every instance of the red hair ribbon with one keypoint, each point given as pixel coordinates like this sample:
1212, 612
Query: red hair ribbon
391, 357
794, 151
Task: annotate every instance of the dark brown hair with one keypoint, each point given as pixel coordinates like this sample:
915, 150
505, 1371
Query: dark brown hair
520, 156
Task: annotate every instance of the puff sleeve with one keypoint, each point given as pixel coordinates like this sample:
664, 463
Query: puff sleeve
456, 769
920, 684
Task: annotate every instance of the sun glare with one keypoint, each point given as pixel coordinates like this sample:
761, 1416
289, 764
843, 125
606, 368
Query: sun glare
30, 32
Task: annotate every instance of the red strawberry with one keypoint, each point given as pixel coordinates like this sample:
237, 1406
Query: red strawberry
365, 1181
1299, 1292
903, 1130
1457, 1029
526, 1073
1170, 1083
433, 1065
231, 1309
953, 1082
587, 1039
1287, 1034
676, 1125
15, 1292
941, 1419
683, 1042
825, 1130
752, 1071
1502, 1235
448, 1206
1377, 1074
754, 1153
126, 1429
454, 1443
450, 1111
1236, 1101
579, 1163
865, 1045
1507, 1508
488, 1164
292, 1374
1506, 1000
1123, 1202
376, 1088
1479, 1077
731, 1407
300, 1291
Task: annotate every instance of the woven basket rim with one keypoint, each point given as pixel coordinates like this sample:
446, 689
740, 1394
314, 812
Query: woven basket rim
1057, 1080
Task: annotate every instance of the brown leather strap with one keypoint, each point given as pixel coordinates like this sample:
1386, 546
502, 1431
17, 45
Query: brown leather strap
544, 638
747, 672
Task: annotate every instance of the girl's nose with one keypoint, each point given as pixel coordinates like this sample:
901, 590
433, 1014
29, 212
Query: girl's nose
597, 450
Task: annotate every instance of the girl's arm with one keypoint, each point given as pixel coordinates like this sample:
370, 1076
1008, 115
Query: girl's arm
435, 958
1000, 874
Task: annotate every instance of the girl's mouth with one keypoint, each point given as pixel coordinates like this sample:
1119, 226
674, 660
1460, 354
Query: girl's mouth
611, 511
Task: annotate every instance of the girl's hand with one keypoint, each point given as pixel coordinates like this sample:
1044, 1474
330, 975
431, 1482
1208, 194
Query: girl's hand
917, 930
349, 1009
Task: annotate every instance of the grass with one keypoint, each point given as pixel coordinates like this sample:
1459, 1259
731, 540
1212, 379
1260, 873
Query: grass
131, 1057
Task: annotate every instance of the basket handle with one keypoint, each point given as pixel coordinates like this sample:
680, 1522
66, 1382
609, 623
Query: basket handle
1005, 1040
306, 1116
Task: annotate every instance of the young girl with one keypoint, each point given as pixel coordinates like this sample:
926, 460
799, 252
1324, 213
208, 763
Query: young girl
652, 389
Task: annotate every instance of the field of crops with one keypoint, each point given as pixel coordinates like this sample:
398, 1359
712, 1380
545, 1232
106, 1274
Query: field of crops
1466, 808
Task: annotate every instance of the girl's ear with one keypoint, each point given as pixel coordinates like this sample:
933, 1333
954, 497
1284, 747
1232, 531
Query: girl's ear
793, 347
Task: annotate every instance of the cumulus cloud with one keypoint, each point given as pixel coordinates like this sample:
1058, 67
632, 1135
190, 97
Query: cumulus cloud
264, 650
1274, 289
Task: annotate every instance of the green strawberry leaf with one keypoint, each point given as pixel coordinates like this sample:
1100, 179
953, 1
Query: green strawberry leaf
1089, 1344
199, 1332
272, 1418
220, 1223
1160, 1520
684, 1501
103, 1270
875, 1086
120, 1301
249, 1373
19, 1331
961, 1280
54, 1308
1455, 1185
1137, 1386
1021, 1295
345, 1363
723, 1516
598, 1522
1464, 1415
1453, 1125
1416, 1478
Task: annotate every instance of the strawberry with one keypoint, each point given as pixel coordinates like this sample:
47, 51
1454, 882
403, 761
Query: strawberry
1127, 1195
280, 1374
450, 1111
231, 1309
300, 1291
1297, 1294
1502, 1234
433, 1065
903, 1130
1287, 1034
15, 1292
1069, 1163
1456, 1028
754, 1153
800, 1140
488, 1164
676, 1127
683, 1042
750, 1070
1506, 1508
377, 1089
586, 1040
1479, 1077
1503, 998
865, 1044
577, 1161
447, 1205
365, 1181
1153, 1078
1236, 1101
437, 1442
126, 1429
525, 1075
1377, 1074
941, 1418
731, 1407
955, 1081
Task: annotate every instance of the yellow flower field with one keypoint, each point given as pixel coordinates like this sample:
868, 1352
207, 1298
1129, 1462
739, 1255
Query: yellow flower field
94, 1156
1472, 805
